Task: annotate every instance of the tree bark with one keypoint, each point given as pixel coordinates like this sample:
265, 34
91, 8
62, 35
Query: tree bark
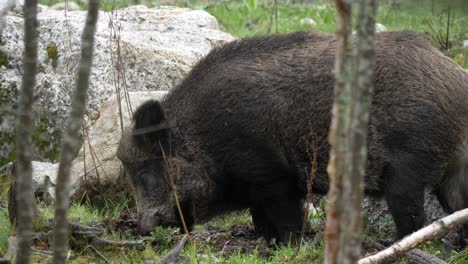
338, 130
24, 122
71, 139
429, 232
348, 133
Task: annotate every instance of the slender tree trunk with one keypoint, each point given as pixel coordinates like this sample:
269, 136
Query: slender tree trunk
24, 126
71, 140
338, 131
361, 97
348, 133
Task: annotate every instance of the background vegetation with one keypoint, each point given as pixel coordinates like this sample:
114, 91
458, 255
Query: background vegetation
243, 18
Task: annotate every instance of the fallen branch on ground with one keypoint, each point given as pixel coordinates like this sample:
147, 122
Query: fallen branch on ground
93, 234
120, 244
98, 253
78, 229
171, 257
429, 232
417, 256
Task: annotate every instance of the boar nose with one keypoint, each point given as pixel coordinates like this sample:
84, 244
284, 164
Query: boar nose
147, 223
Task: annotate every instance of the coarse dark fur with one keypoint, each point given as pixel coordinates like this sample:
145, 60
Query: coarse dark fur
239, 130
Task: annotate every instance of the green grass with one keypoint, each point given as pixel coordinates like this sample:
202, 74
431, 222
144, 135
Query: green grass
5, 230
228, 221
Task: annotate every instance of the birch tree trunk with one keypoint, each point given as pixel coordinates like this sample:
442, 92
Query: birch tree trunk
24, 197
71, 139
348, 132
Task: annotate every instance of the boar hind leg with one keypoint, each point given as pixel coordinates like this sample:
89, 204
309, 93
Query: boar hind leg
404, 193
452, 193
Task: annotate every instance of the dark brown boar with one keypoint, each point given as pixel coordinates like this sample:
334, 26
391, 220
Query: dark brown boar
237, 133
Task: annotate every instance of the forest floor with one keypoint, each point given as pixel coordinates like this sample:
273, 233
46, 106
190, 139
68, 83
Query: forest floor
225, 239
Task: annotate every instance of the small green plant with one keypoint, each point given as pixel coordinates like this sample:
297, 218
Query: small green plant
52, 54
162, 237
462, 59
3, 59
5, 230
250, 4
236, 218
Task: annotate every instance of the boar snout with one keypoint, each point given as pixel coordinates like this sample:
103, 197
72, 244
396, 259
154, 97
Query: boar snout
147, 223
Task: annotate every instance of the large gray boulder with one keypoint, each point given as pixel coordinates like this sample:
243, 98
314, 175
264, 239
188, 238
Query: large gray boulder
136, 49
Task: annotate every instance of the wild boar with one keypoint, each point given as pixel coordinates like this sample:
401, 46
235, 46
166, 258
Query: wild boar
239, 131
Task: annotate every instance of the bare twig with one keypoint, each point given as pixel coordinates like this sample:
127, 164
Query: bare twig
12, 248
84, 153
120, 81
93, 234
276, 15
172, 256
78, 229
24, 122
447, 29
71, 138
98, 253
96, 240
429, 232
95, 158
170, 172
42, 252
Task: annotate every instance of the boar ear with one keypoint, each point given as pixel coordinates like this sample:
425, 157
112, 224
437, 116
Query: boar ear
150, 127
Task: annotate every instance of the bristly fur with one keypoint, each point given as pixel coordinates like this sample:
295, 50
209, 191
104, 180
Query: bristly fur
244, 119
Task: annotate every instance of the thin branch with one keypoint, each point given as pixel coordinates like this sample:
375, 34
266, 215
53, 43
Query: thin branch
172, 256
447, 29
96, 240
93, 234
98, 253
276, 15
84, 153
71, 138
429, 232
24, 126
170, 179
